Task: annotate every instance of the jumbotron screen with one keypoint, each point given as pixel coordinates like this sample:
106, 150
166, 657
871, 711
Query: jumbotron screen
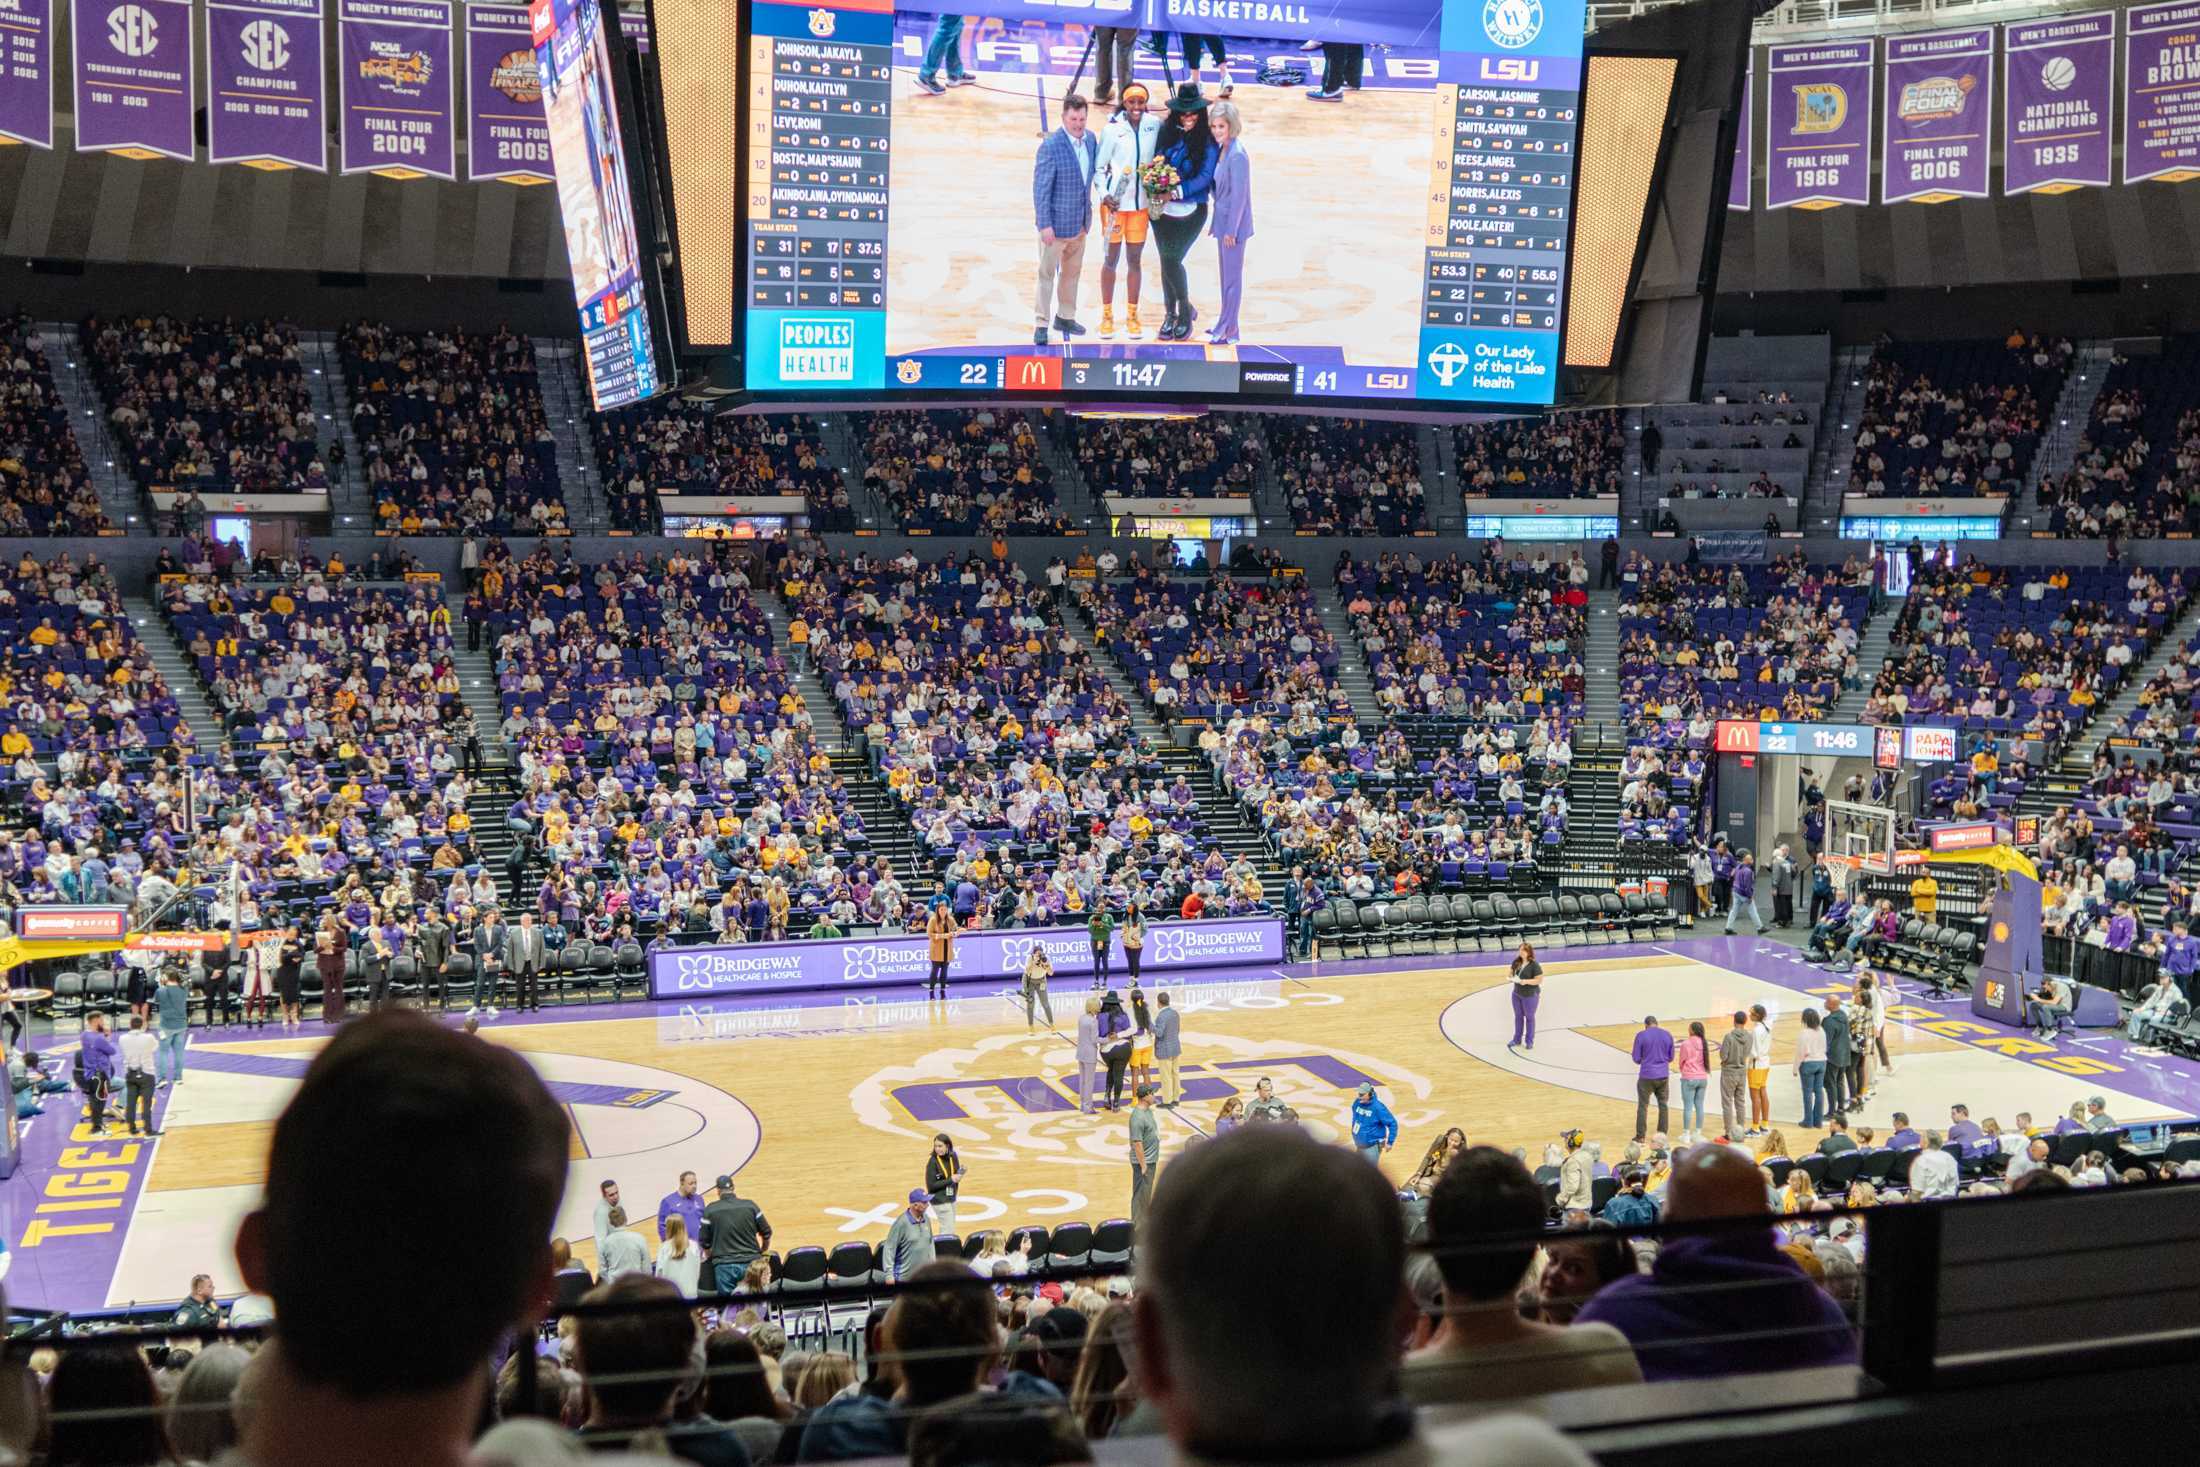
1359, 199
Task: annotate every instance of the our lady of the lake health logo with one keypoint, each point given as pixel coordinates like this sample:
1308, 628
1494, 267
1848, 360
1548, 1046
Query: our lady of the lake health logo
1512, 23
817, 349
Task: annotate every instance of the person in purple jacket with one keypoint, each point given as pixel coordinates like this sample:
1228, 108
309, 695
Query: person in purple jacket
1744, 887
1653, 1056
1232, 224
95, 1069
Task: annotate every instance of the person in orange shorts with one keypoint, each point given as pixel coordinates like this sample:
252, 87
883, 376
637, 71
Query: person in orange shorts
1126, 145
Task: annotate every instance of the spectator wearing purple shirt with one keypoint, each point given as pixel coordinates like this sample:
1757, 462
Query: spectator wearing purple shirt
1961, 1128
2123, 929
684, 1202
95, 1069
1653, 1056
1744, 899
1729, 1303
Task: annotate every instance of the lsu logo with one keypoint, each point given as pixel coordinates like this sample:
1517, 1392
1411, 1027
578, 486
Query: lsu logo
132, 30
1935, 99
407, 69
910, 371
1820, 107
1510, 69
266, 46
821, 24
517, 77
1512, 24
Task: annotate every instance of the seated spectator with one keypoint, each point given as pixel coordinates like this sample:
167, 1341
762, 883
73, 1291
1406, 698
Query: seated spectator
1558, 456
941, 1339
668, 448
948, 472
636, 1365
1347, 476
1202, 458
45, 488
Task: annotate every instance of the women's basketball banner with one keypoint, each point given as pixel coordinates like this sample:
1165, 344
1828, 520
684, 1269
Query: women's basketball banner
135, 90
265, 104
2162, 92
26, 72
507, 133
2055, 110
1940, 116
1745, 150
400, 114
1818, 125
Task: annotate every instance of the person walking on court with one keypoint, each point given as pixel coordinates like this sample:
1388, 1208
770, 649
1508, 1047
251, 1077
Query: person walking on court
172, 1006
908, 1246
1100, 927
1694, 1059
1037, 969
939, 928
1088, 1053
329, 955
1734, 1061
1114, 48
1145, 1136
1374, 1128
1132, 935
1742, 893
944, 48
943, 1173
95, 1070
1783, 888
1527, 976
733, 1236
1653, 1056
525, 955
1168, 1047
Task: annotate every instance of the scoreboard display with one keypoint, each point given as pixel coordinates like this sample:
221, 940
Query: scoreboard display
942, 204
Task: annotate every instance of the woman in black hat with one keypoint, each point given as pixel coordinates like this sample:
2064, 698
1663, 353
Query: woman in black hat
1115, 1044
1186, 143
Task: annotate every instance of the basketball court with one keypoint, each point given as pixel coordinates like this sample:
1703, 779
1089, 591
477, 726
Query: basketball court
824, 1109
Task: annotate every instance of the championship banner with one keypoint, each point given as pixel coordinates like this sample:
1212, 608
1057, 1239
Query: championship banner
507, 134
2055, 105
26, 72
265, 104
1745, 145
135, 91
400, 117
1818, 123
2162, 92
1940, 112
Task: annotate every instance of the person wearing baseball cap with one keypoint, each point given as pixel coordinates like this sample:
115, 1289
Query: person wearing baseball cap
908, 1245
732, 1236
1145, 1136
1374, 1128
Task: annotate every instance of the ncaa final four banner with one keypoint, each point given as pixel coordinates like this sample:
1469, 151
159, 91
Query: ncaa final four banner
1940, 112
2055, 103
2162, 92
400, 112
1818, 125
135, 90
26, 72
507, 135
265, 104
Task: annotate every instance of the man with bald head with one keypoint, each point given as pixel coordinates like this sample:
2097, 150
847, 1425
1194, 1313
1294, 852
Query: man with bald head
1727, 1302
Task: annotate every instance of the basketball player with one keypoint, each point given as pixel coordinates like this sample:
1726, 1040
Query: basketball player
1126, 145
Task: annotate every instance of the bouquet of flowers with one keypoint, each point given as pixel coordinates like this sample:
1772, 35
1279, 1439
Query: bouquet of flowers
1160, 180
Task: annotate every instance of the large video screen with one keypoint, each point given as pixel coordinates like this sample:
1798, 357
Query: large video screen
1360, 199
588, 154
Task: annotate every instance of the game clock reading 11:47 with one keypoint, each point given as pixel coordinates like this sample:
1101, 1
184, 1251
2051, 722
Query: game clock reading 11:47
927, 215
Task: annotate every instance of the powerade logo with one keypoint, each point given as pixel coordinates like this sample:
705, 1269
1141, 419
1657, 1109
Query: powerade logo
817, 349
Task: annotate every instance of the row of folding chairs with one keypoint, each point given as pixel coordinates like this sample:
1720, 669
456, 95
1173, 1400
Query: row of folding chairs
1924, 949
1419, 926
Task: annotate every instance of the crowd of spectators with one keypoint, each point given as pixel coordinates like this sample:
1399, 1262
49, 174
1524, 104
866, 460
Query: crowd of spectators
655, 449
1349, 476
1223, 645
951, 472
452, 433
44, 486
1954, 418
1561, 456
2136, 471
1497, 638
1198, 458
208, 406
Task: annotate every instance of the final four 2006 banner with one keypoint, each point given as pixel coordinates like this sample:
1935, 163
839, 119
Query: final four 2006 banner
399, 114
1940, 116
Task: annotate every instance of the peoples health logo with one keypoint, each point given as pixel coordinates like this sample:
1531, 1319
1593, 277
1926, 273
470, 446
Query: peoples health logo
817, 349
266, 46
1512, 23
132, 30
1449, 361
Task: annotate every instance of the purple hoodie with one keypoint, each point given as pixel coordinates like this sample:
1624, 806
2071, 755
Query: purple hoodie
1687, 1321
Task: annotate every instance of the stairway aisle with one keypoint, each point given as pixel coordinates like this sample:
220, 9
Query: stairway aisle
1835, 450
178, 671
1871, 651
351, 506
72, 378
1143, 722
1353, 673
565, 402
477, 688
1600, 659
1079, 502
825, 722
2072, 415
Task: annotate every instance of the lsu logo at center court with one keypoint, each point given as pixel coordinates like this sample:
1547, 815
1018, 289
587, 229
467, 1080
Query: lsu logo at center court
817, 349
1820, 107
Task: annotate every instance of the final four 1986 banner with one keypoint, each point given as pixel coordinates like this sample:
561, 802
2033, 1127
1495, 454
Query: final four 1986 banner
26, 72
1818, 125
395, 59
264, 103
1940, 113
135, 91
2062, 82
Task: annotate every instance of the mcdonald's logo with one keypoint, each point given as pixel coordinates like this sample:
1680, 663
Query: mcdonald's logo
1736, 736
1033, 374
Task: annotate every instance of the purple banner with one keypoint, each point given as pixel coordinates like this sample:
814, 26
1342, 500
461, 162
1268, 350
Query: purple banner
264, 99
399, 115
878, 962
1745, 144
2162, 93
2055, 109
26, 71
1818, 125
507, 135
134, 85
1940, 116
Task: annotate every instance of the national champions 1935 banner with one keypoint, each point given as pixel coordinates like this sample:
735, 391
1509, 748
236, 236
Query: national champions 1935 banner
1818, 125
1940, 116
2061, 83
265, 104
398, 93
507, 134
2162, 92
135, 88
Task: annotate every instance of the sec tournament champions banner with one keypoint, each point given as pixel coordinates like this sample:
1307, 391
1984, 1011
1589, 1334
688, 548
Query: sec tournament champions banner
264, 100
2162, 92
135, 91
1818, 125
507, 134
1940, 111
2055, 109
1745, 150
399, 115
26, 72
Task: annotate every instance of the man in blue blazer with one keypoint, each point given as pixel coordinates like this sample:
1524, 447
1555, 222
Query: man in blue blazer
1061, 203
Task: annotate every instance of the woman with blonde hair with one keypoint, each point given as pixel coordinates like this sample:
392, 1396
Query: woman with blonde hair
1102, 1392
1232, 224
679, 1258
1776, 1144
823, 1378
1231, 1116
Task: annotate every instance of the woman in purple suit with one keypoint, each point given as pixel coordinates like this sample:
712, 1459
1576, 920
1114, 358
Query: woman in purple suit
1233, 212
1527, 995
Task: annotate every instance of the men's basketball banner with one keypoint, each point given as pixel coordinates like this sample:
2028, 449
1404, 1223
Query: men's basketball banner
265, 103
1818, 125
2162, 92
1940, 114
998, 955
1387, 22
2055, 109
507, 133
400, 116
1745, 146
26, 72
134, 84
